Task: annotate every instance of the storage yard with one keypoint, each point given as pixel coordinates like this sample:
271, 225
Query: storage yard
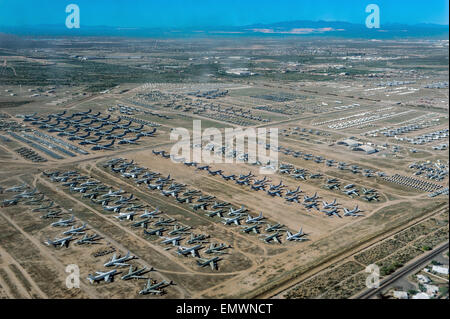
88, 177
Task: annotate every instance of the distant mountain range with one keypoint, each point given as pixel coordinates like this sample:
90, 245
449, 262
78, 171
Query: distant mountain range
279, 29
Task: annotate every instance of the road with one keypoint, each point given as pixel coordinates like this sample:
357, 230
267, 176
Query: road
404, 270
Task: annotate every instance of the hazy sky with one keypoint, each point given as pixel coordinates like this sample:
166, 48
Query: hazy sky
196, 13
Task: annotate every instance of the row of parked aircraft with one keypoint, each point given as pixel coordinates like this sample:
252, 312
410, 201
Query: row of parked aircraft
104, 130
195, 198
127, 208
273, 190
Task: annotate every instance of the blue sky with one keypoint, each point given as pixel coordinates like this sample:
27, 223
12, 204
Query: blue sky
197, 13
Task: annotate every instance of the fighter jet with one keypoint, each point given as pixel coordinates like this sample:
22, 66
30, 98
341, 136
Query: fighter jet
202, 262
75, 231
352, 212
252, 220
300, 236
106, 276
175, 241
136, 273
275, 237
120, 262
63, 223
185, 251
59, 241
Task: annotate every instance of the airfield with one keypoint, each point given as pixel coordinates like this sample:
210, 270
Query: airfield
85, 138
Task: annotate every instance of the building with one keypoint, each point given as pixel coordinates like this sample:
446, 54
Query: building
421, 295
432, 290
349, 142
400, 294
440, 270
365, 148
423, 279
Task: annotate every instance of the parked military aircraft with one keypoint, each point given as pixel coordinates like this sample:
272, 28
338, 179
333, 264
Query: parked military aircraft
155, 289
59, 241
312, 198
75, 231
106, 276
136, 273
300, 236
175, 241
216, 249
151, 214
63, 222
88, 240
119, 261
352, 212
185, 251
275, 237
235, 220
211, 262
257, 219
326, 205
157, 231
252, 228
